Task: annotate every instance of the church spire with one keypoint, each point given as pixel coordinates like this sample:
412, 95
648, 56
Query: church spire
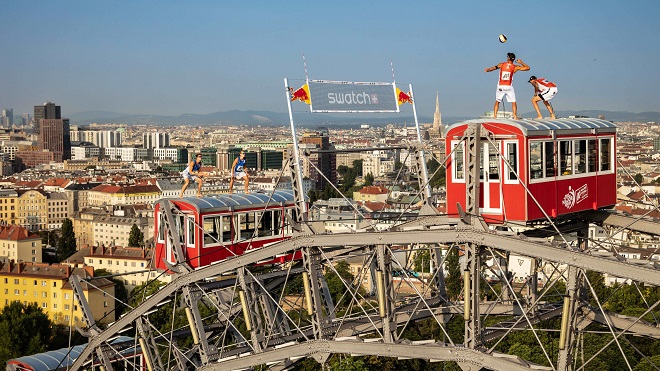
437, 116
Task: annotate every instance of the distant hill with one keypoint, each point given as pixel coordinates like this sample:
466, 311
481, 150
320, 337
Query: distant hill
237, 117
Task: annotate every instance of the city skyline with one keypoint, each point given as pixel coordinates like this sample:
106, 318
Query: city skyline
171, 58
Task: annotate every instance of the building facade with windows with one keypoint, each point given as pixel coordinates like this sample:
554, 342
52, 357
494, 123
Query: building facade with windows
49, 287
18, 244
32, 209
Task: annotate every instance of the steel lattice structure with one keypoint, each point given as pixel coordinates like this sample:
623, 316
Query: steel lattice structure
253, 322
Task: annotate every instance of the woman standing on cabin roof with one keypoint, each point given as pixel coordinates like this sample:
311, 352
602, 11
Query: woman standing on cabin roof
193, 172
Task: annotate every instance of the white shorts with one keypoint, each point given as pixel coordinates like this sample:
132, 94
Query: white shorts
505, 91
239, 174
186, 175
548, 94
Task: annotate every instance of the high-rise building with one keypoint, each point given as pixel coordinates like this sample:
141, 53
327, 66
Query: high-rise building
101, 138
54, 136
325, 162
155, 140
48, 111
8, 118
25, 119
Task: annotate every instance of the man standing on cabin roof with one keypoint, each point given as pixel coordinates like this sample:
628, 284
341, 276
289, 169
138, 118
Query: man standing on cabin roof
504, 85
238, 172
543, 90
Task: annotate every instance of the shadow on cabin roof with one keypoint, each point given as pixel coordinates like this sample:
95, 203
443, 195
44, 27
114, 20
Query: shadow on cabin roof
228, 201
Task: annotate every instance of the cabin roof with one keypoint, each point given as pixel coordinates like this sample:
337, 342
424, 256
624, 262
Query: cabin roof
226, 201
541, 127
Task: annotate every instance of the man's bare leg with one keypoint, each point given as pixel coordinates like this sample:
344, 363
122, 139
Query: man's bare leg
535, 103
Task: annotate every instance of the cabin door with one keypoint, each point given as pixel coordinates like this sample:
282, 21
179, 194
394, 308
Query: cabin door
489, 177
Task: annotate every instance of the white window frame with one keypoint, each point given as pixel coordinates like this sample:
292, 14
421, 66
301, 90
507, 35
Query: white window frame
190, 223
544, 177
454, 144
516, 168
600, 149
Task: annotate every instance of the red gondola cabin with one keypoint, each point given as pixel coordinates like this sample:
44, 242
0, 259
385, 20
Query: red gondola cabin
568, 166
230, 224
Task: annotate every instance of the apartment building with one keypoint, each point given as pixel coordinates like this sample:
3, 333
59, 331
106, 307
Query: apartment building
18, 244
49, 287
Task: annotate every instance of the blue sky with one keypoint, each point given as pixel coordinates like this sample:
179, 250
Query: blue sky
175, 57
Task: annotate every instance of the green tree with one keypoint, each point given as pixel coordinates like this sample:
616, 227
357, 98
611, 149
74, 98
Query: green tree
66, 245
454, 280
338, 291
438, 178
163, 315
350, 364
313, 195
24, 329
357, 165
368, 179
645, 365
342, 170
639, 178
136, 237
422, 258
49, 237
121, 294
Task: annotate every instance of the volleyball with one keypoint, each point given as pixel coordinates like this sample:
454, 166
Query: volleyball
502, 38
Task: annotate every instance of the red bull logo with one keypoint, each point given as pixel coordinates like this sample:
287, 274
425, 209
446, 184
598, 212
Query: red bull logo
301, 94
403, 97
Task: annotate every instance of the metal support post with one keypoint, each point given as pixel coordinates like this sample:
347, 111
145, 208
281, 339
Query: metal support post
575, 292
386, 293
149, 347
423, 179
533, 288
322, 307
248, 298
438, 284
207, 352
472, 251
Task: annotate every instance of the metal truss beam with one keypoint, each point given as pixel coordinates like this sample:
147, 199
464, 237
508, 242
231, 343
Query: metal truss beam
646, 273
633, 325
428, 350
622, 221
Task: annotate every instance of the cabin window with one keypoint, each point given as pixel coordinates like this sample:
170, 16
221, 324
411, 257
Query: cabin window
549, 158
246, 225
580, 151
565, 157
179, 222
277, 222
288, 219
217, 230
226, 228
592, 158
493, 161
459, 170
161, 227
606, 154
191, 232
266, 224
512, 159
535, 160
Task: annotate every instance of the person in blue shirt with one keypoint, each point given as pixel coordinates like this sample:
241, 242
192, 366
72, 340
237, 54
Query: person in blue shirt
193, 172
238, 172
